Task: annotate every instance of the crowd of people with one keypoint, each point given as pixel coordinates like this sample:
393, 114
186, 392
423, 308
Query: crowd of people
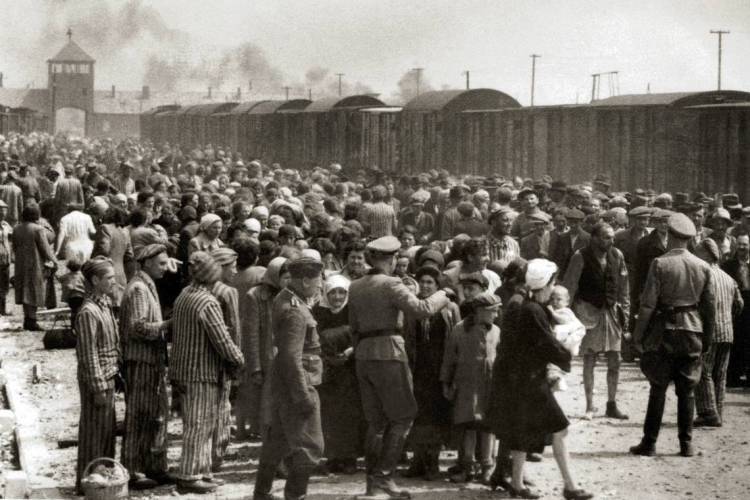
337, 314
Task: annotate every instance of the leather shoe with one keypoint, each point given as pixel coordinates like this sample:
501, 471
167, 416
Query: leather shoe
522, 493
686, 449
198, 486
643, 450
707, 421
140, 482
579, 494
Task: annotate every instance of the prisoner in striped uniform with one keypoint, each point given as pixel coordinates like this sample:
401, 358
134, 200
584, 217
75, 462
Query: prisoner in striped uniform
380, 219
98, 355
228, 300
202, 349
709, 395
144, 346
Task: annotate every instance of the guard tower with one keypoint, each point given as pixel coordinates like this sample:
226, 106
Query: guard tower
71, 88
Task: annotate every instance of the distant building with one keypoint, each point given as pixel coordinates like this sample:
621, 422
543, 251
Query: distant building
71, 103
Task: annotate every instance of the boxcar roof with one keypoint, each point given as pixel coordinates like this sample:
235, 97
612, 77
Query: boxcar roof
244, 107
675, 99
209, 109
328, 103
460, 100
268, 107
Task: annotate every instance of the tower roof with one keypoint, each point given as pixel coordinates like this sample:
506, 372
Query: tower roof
71, 52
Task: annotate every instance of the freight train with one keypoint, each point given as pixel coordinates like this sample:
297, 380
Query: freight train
678, 141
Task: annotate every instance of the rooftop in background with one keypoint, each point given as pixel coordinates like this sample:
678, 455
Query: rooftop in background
72, 52
461, 100
328, 103
676, 99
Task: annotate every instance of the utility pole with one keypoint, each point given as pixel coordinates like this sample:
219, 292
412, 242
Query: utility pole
286, 90
721, 33
419, 76
309, 94
467, 72
594, 85
339, 75
534, 57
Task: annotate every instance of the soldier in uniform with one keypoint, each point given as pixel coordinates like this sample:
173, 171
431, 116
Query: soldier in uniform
376, 303
675, 325
295, 434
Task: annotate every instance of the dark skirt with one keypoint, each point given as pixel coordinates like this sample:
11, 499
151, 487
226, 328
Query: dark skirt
341, 413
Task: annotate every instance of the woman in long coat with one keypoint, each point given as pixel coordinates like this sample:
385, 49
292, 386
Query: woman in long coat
425, 346
33, 256
525, 412
340, 405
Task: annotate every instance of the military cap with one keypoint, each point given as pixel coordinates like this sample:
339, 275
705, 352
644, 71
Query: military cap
475, 277
305, 267
525, 192
574, 214
484, 301
385, 245
681, 226
640, 211
541, 217
660, 213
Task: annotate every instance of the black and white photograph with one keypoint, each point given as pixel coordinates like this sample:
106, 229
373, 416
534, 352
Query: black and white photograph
375, 249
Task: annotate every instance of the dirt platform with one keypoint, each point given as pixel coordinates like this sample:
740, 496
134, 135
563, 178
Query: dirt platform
600, 460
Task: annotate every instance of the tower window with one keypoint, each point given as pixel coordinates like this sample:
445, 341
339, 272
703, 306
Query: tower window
83, 69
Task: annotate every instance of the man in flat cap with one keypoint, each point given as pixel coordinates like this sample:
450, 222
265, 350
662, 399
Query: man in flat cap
536, 244
295, 434
228, 300
720, 222
675, 325
144, 351
415, 215
376, 303
202, 349
649, 247
523, 224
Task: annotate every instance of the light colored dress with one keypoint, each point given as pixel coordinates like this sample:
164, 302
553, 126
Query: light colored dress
74, 238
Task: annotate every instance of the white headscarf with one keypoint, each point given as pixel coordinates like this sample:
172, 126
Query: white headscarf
539, 272
333, 282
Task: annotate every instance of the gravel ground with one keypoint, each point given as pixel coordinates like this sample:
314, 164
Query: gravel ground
599, 448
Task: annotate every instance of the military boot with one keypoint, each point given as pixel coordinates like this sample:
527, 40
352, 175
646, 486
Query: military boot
264, 483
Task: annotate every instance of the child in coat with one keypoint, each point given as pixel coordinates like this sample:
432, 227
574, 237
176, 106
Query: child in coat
466, 375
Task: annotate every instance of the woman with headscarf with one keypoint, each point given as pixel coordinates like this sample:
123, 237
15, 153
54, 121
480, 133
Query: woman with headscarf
340, 406
526, 414
256, 305
425, 346
207, 238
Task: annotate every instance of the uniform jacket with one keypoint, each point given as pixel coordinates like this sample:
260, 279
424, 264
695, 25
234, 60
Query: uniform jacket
677, 279
298, 364
376, 302
32, 252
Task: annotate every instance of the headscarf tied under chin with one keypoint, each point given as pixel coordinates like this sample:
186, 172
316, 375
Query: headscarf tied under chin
332, 283
207, 220
539, 272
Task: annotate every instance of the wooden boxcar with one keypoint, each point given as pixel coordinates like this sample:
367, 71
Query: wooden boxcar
232, 124
428, 129
379, 137
263, 132
199, 119
331, 131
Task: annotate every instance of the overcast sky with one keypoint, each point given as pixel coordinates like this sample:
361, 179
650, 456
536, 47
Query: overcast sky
186, 44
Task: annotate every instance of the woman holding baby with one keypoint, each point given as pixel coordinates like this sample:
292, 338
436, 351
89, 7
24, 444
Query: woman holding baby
525, 415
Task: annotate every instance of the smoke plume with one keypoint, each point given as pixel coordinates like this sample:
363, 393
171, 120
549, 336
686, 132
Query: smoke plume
407, 86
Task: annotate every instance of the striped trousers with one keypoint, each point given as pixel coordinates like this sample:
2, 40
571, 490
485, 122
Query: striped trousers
200, 412
144, 447
96, 429
222, 432
709, 395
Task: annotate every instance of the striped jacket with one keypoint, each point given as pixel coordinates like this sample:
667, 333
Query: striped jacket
98, 346
728, 304
228, 300
201, 343
380, 220
141, 322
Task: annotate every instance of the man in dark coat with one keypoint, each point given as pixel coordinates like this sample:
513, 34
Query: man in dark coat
563, 246
675, 325
738, 267
649, 248
295, 433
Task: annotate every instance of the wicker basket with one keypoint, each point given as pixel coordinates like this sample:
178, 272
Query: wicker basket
111, 491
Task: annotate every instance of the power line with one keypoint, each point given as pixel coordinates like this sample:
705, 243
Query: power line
419, 76
340, 75
721, 33
534, 57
